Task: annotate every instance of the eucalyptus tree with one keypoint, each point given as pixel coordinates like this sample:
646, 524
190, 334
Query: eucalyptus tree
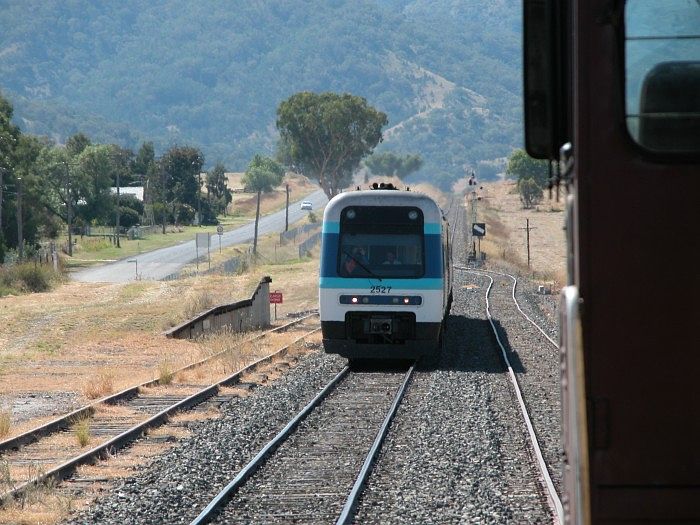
390, 164
217, 187
62, 185
180, 185
9, 135
262, 175
326, 135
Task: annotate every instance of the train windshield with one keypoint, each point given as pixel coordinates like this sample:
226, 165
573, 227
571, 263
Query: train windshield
381, 242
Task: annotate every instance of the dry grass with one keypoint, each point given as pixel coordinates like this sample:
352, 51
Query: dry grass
197, 302
505, 218
165, 373
5, 422
99, 386
81, 428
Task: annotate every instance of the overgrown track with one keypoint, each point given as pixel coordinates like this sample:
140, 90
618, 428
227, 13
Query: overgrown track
50, 452
315, 473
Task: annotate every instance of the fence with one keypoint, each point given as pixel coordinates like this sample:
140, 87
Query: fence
243, 261
309, 244
238, 317
293, 234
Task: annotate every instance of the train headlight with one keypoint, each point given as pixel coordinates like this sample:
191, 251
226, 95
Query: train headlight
413, 215
350, 214
354, 300
406, 300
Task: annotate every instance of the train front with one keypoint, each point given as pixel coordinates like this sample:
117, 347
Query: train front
381, 286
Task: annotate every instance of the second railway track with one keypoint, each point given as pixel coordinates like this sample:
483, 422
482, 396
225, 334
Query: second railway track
50, 452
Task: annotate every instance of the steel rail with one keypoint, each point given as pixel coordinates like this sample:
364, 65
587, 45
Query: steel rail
120, 441
64, 421
517, 305
348, 511
227, 492
554, 498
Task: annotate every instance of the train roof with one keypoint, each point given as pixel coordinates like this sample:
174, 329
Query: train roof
431, 210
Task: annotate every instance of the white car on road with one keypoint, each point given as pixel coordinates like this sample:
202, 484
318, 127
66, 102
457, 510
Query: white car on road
307, 205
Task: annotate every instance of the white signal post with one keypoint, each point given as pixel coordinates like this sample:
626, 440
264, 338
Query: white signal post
220, 233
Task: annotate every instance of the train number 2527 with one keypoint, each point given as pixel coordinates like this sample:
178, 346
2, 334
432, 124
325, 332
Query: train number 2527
380, 289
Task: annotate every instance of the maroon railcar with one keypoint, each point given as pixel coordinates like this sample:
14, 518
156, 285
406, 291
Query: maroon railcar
612, 98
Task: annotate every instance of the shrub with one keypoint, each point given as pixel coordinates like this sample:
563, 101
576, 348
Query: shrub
26, 277
530, 192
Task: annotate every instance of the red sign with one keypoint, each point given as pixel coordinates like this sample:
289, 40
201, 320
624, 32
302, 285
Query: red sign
275, 297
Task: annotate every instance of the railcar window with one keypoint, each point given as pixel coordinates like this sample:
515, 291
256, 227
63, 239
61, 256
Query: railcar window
662, 72
381, 242
382, 255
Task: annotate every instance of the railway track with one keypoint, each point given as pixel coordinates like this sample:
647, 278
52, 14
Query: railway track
313, 470
51, 452
545, 467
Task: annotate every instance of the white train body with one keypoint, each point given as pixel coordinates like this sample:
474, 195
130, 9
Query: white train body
385, 284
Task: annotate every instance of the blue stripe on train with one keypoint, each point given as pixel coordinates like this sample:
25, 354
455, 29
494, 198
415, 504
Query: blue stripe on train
329, 256
396, 284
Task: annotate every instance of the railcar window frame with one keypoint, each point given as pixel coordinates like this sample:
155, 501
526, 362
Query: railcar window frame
379, 271
628, 35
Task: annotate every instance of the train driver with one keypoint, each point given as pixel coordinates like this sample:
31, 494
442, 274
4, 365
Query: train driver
391, 258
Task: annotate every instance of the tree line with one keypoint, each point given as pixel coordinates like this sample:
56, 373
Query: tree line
48, 187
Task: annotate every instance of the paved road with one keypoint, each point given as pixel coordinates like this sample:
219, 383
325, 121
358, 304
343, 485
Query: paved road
160, 263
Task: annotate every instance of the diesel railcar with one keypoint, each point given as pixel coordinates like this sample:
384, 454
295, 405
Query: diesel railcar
385, 285
612, 99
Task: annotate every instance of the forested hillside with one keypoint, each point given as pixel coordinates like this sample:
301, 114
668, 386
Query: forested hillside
211, 74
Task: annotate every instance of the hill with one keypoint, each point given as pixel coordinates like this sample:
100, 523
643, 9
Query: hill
212, 73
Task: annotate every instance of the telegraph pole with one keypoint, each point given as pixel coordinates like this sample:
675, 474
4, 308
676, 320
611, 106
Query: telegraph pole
286, 215
118, 211
2, 170
20, 237
162, 191
199, 198
69, 198
527, 238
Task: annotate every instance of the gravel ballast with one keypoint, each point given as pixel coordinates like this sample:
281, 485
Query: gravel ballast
177, 485
458, 451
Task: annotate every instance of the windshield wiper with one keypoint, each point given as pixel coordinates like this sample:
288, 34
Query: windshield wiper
362, 265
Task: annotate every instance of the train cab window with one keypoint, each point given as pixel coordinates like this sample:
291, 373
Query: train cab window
381, 243
662, 74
